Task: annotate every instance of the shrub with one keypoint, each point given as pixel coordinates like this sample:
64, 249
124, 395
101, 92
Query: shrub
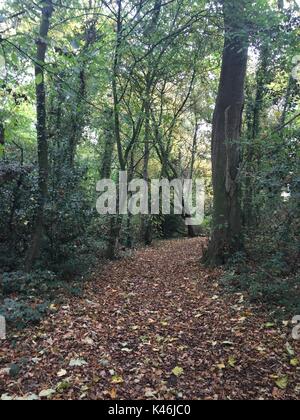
35, 283
20, 313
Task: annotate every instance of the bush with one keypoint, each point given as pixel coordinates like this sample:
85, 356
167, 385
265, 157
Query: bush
20, 313
35, 283
265, 283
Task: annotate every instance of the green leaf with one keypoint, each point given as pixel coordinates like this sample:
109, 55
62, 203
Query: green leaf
290, 349
39, 79
2, 149
2, 63
177, 371
294, 362
117, 379
282, 382
232, 361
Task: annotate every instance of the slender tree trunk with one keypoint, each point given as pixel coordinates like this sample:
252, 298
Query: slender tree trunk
254, 129
42, 140
2, 140
117, 124
77, 120
105, 171
227, 224
194, 148
191, 229
116, 221
2, 134
146, 226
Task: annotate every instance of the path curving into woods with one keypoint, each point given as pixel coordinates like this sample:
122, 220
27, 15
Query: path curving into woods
158, 326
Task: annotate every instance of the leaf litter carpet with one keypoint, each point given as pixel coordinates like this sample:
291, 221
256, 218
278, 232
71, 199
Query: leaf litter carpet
157, 325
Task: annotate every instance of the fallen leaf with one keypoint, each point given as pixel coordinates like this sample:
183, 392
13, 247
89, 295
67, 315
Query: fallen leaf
62, 373
46, 393
177, 371
282, 382
88, 341
289, 349
117, 380
150, 393
221, 366
77, 363
113, 394
232, 361
6, 397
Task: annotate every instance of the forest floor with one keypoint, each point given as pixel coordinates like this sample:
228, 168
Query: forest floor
154, 326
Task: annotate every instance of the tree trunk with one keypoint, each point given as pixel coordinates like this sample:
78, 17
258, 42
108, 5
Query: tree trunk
254, 129
227, 224
2, 137
2, 140
116, 221
42, 140
105, 171
146, 226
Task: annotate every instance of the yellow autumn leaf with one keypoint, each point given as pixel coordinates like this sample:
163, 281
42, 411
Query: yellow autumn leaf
232, 361
113, 394
117, 380
282, 382
294, 362
177, 371
221, 366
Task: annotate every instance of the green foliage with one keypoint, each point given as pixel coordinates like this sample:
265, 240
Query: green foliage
21, 313
35, 283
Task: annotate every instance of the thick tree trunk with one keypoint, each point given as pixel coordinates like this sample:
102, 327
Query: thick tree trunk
227, 224
42, 140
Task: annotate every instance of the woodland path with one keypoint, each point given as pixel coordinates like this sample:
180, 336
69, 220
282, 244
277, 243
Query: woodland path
157, 325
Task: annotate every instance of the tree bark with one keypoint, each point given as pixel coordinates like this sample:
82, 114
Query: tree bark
227, 223
105, 171
146, 225
254, 129
2, 134
42, 139
116, 221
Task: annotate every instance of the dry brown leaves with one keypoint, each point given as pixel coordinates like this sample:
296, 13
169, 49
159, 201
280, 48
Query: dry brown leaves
155, 326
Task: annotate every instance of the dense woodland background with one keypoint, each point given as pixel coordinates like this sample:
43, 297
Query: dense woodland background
92, 87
